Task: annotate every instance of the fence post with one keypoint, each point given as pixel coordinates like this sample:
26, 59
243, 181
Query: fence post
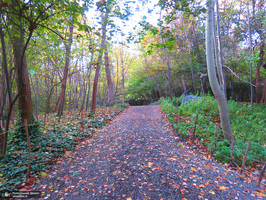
245, 157
232, 148
82, 126
28, 139
177, 109
261, 174
215, 138
196, 120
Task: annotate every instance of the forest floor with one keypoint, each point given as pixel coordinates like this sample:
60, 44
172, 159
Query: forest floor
137, 156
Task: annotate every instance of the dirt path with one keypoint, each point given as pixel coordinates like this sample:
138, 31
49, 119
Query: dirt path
137, 156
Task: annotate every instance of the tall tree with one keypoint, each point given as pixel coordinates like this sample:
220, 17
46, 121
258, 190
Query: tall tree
250, 65
109, 78
220, 51
67, 44
168, 63
216, 87
105, 9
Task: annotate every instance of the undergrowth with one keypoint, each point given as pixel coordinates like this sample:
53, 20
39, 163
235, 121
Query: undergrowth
248, 124
48, 142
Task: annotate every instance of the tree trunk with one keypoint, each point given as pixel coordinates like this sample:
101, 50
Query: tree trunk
4, 136
117, 73
22, 76
217, 91
123, 74
184, 83
250, 49
109, 80
220, 51
88, 93
97, 73
263, 99
260, 62
89, 89
191, 68
168, 64
67, 63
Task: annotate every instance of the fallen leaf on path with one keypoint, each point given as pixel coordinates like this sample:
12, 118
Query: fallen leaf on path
193, 169
222, 188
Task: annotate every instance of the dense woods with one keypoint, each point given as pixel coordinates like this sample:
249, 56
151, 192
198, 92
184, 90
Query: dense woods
62, 57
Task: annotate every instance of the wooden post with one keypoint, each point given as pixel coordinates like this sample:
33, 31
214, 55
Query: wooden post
28, 139
232, 148
245, 157
177, 109
82, 126
261, 174
196, 120
216, 138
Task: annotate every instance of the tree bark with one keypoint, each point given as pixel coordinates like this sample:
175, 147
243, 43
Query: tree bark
22, 75
168, 64
4, 136
66, 68
109, 79
220, 50
216, 88
191, 68
250, 49
97, 73
89, 83
123, 74
260, 62
263, 98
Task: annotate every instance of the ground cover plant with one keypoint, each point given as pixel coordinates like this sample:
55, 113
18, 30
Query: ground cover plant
50, 140
248, 124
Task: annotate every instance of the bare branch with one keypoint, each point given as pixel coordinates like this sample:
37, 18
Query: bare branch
238, 76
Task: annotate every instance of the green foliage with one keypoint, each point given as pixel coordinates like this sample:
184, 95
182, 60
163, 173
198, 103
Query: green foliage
223, 152
121, 105
248, 124
154, 103
18, 137
168, 106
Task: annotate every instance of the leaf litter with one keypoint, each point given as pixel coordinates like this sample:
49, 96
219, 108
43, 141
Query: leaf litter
137, 156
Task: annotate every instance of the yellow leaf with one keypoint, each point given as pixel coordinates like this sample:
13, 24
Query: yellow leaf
222, 188
181, 144
212, 192
43, 174
150, 164
1, 174
202, 186
68, 154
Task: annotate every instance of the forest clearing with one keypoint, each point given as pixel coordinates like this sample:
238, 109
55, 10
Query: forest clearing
124, 99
